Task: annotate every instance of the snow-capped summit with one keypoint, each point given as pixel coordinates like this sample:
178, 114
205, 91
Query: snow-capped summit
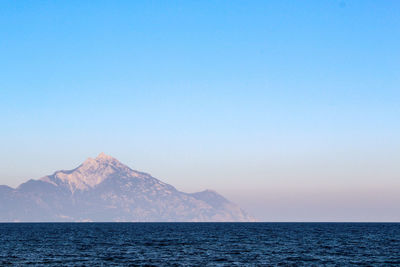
91, 173
103, 156
104, 189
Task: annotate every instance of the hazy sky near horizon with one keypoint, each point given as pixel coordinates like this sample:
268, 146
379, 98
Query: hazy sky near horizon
289, 108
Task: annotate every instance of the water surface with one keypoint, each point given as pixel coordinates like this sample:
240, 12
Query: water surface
212, 244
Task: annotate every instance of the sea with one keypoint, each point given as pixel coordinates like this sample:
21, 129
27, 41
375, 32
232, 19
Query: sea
200, 244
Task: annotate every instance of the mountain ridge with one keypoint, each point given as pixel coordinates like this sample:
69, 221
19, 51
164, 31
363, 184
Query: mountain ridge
104, 189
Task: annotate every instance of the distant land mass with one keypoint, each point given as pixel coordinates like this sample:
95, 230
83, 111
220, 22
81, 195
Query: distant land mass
105, 190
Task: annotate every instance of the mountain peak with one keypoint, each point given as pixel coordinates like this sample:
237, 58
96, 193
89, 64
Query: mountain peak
104, 189
91, 173
103, 156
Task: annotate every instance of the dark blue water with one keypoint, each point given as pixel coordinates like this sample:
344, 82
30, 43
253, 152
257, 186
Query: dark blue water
200, 244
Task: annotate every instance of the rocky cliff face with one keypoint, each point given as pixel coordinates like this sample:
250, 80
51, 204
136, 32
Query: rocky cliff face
104, 189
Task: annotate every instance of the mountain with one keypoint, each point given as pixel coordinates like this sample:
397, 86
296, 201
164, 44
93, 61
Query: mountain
104, 189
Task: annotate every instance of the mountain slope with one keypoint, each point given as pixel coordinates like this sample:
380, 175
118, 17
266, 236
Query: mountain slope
104, 189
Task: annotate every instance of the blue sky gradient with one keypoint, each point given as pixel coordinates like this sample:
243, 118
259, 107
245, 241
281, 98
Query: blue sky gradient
289, 108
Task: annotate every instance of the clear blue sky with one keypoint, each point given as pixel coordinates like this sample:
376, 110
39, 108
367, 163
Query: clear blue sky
289, 108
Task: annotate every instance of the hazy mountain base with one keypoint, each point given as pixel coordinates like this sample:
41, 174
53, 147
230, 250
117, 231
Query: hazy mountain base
103, 189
